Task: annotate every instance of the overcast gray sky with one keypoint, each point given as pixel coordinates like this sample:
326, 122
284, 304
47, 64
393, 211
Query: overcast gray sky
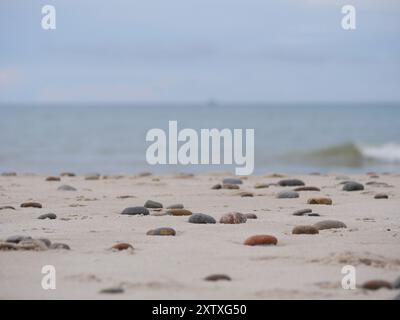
196, 50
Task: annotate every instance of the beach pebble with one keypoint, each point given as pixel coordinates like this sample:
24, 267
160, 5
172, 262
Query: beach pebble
32, 244
9, 174
48, 216
313, 215
201, 218
291, 183
376, 284
6, 246
261, 185
381, 196
287, 195
305, 230
327, 201
262, 239
352, 186
93, 176
161, 232
230, 186
31, 205
216, 186
250, 216
66, 187
59, 246
233, 218
67, 174
7, 208
179, 212
122, 246
232, 181
53, 179
176, 206
135, 211
153, 204
46, 241
17, 238
246, 194
329, 224
218, 277
112, 290
307, 189
301, 212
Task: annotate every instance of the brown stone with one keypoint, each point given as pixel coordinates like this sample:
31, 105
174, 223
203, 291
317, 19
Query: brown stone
53, 179
161, 232
305, 230
327, 201
250, 216
218, 277
230, 186
31, 205
233, 218
377, 284
307, 189
122, 246
261, 239
179, 212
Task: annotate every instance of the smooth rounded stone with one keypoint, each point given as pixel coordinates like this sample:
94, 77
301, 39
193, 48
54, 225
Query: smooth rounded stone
329, 224
260, 240
245, 194
161, 232
176, 206
232, 181
31, 205
301, 212
313, 215
201, 218
7, 246
326, 201
261, 185
305, 230
179, 212
216, 186
46, 241
378, 184
377, 284
32, 244
291, 183
7, 208
233, 218
122, 246
66, 187
92, 176
218, 277
230, 186
287, 195
381, 196
112, 290
396, 283
9, 174
48, 216
353, 186
53, 179
17, 238
153, 204
136, 211
307, 189
67, 174
250, 216
60, 246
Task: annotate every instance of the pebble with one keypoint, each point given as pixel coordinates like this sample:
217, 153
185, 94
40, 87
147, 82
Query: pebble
307, 189
258, 240
31, 205
144, 174
261, 185
48, 216
327, 201
179, 212
250, 216
233, 218
218, 277
17, 238
46, 241
67, 174
53, 179
6, 246
94, 176
287, 195
301, 212
291, 183
7, 207
66, 187
59, 246
216, 186
176, 206
9, 174
153, 204
32, 244
112, 290
381, 196
201, 218
246, 194
352, 186
376, 284
230, 186
161, 232
122, 246
135, 211
305, 230
329, 224
313, 215
232, 181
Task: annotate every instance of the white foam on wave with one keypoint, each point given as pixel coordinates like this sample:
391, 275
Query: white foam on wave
388, 152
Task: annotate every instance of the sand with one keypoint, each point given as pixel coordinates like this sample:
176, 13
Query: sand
174, 267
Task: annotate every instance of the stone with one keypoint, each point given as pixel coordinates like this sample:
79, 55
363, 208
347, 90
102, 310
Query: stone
176, 206
376, 284
246, 194
59, 246
17, 238
232, 181
262, 239
31, 205
201, 218
250, 216
301, 212
291, 183
287, 195
329, 224
313, 215
230, 186
46, 241
67, 174
135, 211
179, 212
66, 187
305, 230
53, 179
352, 186
396, 283
261, 185
153, 204
122, 246
216, 186
93, 176
381, 196
161, 232
32, 244
307, 189
112, 290
218, 277
326, 201
7, 208
9, 174
7, 246
144, 174
233, 218
48, 216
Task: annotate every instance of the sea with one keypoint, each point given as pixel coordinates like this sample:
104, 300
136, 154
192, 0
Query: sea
289, 138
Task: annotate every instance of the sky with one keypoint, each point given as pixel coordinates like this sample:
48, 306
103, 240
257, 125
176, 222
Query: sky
179, 51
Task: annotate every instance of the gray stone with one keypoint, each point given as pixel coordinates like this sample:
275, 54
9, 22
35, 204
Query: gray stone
17, 238
232, 181
59, 246
329, 224
176, 206
66, 187
153, 204
135, 211
48, 216
287, 195
201, 218
353, 186
291, 183
381, 196
301, 212
112, 290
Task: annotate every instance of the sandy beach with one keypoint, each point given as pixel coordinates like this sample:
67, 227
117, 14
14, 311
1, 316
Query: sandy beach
299, 266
